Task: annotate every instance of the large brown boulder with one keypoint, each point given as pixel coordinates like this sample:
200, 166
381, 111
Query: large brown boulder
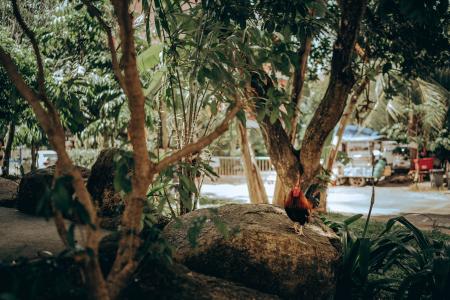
33, 186
156, 279
159, 281
265, 254
101, 187
8, 191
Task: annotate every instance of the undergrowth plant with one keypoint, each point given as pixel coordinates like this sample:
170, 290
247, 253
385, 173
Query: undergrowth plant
399, 263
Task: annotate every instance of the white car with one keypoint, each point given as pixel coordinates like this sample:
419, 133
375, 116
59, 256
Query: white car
46, 158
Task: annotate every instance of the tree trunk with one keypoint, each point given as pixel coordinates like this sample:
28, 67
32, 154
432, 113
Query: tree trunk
280, 192
341, 82
299, 81
344, 122
34, 150
8, 148
283, 157
255, 183
412, 134
288, 163
105, 140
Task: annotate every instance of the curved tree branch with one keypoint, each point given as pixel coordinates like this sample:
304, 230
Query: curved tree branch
341, 82
95, 12
299, 80
31, 36
200, 144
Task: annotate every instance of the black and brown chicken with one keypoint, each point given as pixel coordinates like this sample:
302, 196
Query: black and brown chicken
298, 208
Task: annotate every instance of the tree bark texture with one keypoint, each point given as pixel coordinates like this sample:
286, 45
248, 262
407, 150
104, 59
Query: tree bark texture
34, 150
288, 163
255, 183
281, 191
8, 148
299, 81
341, 82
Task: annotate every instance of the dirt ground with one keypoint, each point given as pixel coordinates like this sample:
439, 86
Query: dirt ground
8, 190
23, 235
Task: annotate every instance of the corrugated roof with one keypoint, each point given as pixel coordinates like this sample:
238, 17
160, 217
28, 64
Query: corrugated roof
355, 133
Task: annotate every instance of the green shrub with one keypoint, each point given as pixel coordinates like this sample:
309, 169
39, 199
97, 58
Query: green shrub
400, 263
84, 157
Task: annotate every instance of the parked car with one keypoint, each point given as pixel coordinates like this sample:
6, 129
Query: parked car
46, 158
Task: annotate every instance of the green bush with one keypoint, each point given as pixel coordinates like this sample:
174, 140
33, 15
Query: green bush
84, 157
399, 263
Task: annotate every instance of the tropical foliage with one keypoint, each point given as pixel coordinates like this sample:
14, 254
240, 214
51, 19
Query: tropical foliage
401, 262
164, 79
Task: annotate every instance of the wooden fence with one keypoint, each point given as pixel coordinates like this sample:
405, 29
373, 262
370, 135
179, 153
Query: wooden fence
233, 166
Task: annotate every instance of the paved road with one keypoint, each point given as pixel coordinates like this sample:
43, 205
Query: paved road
345, 199
388, 200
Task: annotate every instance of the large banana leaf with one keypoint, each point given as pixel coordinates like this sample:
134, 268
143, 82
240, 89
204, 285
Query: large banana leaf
149, 58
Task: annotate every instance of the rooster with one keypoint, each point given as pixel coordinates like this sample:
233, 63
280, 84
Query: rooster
298, 208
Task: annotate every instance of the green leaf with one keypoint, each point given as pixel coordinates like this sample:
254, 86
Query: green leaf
353, 219
43, 207
61, 198
122, 180
364, 255
284, 64
195, 229
213, 106
149, 58
155, 82
201, 76
82, 213
71, 235
261, 114
241, 117
274, 116
188, 183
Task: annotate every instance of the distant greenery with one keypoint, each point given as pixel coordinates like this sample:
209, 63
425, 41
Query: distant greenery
84, 157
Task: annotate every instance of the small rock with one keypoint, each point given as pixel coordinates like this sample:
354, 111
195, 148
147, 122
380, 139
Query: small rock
8, 191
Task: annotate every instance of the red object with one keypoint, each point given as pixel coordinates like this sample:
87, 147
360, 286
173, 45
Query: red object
297, 206
424, 164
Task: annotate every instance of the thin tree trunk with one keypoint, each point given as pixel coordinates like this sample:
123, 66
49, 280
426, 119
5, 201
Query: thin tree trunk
8, 148
412, 134
255, 183
299, 82
105, 140
164, 128
34, 150
344, 122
